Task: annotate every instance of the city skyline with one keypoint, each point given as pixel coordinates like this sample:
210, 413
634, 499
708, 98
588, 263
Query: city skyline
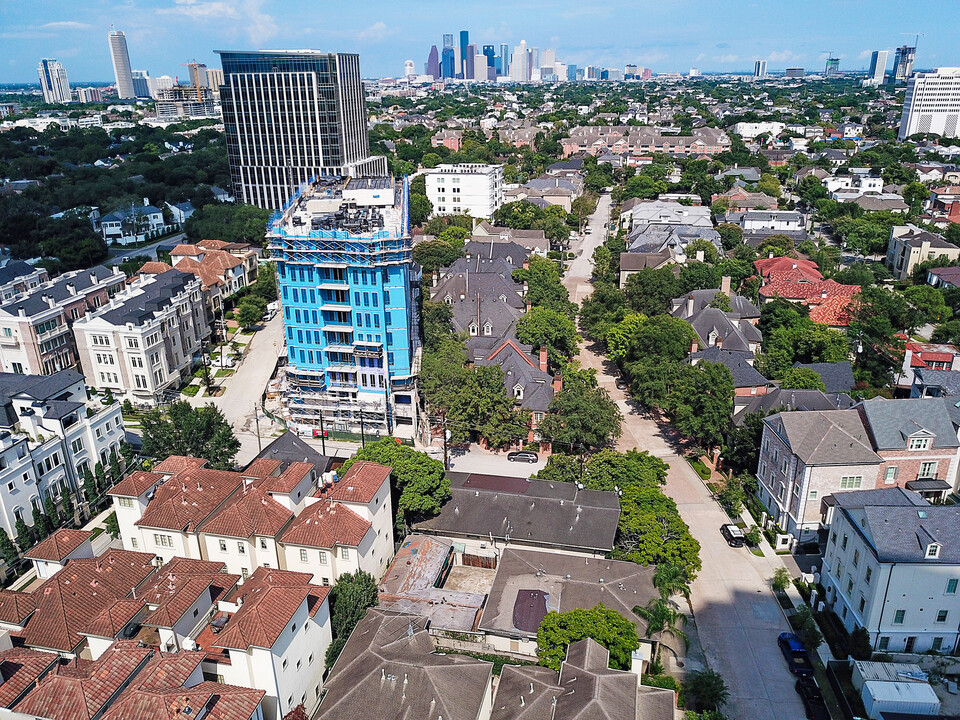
162, 34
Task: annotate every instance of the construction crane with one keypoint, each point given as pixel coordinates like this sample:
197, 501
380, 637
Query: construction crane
830, 58
194, 69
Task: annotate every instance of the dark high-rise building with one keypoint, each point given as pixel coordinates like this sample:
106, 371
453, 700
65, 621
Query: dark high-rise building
491, 55
432, 67
470, 71
291, 115
464, 42
793, 73
902, 64
504, 68
447, 63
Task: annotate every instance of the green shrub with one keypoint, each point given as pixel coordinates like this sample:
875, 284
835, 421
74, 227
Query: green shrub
668, 682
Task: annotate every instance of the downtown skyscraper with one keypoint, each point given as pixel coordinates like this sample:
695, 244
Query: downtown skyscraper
121, 64
293, 115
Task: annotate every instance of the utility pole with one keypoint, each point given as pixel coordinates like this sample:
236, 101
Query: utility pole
446, 457
363, 440
256, 416
581, 461
323, 435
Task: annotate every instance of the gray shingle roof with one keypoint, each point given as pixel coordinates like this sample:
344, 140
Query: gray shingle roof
947, 382
826, 437
902, 534
736, 334
837, 377
744, 374
534, 512
288, 448
33, 303
892, 422
778, 400
154, 297
537, 385
739, 305
14, 269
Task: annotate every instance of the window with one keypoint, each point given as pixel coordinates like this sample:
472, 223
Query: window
323, 559
77, 445
952, 586
852, 482
241, 548
849, 585
344, 553
937, 644
899, 616
890, 476
863, 604
244, 573
293, 628
919, 443
868, 575
263, 544
162, 540
310, 659
223, 545
325, 581
942, 616
813, 494
303, 555
927, 470
133, 543
126, 502
833, 536
856, 558
284, 665
844, 543
933, 551
11, 486
884, 643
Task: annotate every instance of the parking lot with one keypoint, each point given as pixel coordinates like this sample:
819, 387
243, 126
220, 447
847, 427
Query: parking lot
477, 460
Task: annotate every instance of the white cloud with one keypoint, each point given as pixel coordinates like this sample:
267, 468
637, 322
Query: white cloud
864, 54
725, 59
247, 16
375, 33
66, 25
197, 10
783, 56
699, 57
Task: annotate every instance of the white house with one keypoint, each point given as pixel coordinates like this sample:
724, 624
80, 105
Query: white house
777, 220
472, 189
133, 224
50, 556
892, 566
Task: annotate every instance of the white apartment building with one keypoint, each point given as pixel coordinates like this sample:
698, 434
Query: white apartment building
909, 246
270, 515
469, 188
932, 104
47, 438
892, 566
144, 343
36, 316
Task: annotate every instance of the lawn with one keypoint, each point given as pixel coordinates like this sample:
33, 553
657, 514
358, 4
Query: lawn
226, 372
191, 390
702, 470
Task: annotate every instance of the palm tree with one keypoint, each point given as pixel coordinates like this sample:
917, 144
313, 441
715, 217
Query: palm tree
671, 580
663, 619
708, 688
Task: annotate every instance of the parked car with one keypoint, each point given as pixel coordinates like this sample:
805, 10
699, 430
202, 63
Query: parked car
622, 384
732, 534
523, 456
812, 698
795, 654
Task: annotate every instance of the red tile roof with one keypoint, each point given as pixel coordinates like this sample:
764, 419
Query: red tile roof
111, 622
270, 599
56, 547
288, 480
326, 524
81, 695
16, 607
262, 467
168, 671
249, 511
809, 269
213, 244
20, 668
75, 596
154, 267
187, 499
835, 311
135, 484
186, 249
221, 702
179, 584
360, 484
789, 286
178, 463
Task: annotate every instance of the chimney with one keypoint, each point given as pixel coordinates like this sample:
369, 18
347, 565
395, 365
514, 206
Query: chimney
719, 343
770, 255
526, 264
690, 306
93, 278
71, 288
694, 347
529, 305
20, 311
543, 359
49, 301
557, 383
725, 286
794, 266
146, 201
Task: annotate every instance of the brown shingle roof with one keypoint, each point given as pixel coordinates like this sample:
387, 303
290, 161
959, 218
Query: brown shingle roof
16, 607
20, 668
71, 599
56, 547
270, 598
248, 512
135, 484
324, 525
178, 463
360, 483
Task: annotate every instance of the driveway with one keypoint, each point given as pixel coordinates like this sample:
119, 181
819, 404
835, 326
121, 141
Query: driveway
115, 253
738, 618
478, 460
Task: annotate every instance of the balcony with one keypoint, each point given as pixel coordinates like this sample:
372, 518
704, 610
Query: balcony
59, 330
337, 327
334, 306
10, 340
335, 347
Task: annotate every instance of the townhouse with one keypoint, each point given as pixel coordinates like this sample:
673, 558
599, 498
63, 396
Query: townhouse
892, 567
35, 323
805, 456
143, 345
133, 224
274, 514
909, 246
49, 433
621, 139
926, 356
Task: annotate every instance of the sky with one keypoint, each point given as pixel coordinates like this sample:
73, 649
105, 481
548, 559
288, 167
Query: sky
666, 35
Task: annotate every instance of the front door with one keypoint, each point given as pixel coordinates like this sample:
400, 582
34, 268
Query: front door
911, 641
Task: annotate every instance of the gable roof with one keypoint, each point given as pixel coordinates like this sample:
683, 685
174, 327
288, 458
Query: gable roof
179, 584
777, 400
520, 369
837, 377
388, 669
744, 374
111, 622
891, 422
20, 669
184, 501
326, 525
288, 448
16, 607
217, 700
59, 545
247, 512
359, 484
136, 483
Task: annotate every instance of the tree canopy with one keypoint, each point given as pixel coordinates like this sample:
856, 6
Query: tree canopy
350, 597
582, 413
181, 429
608, 627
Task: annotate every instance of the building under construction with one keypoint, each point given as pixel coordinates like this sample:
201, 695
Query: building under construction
343, 255
183, 102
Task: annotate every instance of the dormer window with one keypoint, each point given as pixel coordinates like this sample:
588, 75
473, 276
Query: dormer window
487, 328
518, 391
933, 551
473, 329
448, 300
503, 298
919, 443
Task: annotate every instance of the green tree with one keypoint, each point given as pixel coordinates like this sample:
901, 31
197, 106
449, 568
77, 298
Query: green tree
544, 287
89, 484
582, 413
610, 470
707, 689
420, 209
621, 337
700, 404
860, 646
431, 160
544, 327
603, 309
662, 618
180, 429
432, 255
8, 549
769, 184
743, 444
248, 314
112, 525
419, 485
730, 235
807, 629
265, 286
660, 339
228, 222
781, 580
560, 468
671, 580
651, 531
69, 512
929, 304
50, 510
41, 524
650, 291
779, 244
350, 597
608, 627
25, 535
800, 378
710, 253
